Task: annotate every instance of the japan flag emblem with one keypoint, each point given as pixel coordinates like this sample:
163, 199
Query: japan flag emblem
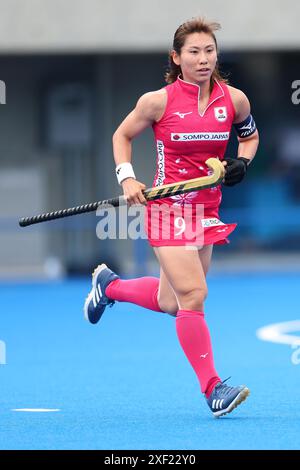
221, 114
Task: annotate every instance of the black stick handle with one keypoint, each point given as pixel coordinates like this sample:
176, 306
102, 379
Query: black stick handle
93, 206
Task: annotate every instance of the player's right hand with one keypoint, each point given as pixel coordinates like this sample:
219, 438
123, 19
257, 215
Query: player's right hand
133, 191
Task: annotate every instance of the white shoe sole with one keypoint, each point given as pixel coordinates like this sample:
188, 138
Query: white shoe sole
91, 294
236, 402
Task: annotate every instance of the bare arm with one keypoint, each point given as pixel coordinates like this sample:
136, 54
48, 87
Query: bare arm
149, 109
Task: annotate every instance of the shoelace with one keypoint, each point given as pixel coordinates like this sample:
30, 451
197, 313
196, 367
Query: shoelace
226, 389
223, 381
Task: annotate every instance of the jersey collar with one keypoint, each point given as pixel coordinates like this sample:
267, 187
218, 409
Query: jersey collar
194, 90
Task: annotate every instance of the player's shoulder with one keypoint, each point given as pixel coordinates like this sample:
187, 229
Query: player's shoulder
153, 102
240, 102
153, 98
237, 95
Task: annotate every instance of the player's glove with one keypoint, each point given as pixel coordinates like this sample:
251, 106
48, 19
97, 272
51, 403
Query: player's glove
236, 169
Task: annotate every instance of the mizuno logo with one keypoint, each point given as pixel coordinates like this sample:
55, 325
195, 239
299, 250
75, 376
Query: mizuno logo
248, 126
203, 355
181, 115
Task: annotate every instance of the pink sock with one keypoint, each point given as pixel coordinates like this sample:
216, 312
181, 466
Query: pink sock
141, 291
194, 337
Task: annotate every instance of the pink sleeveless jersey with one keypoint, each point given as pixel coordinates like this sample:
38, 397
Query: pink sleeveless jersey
185, 139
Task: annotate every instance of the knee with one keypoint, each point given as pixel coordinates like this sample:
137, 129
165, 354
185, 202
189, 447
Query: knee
193, 299
168, 305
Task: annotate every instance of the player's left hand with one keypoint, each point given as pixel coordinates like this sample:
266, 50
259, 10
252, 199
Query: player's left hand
236, 169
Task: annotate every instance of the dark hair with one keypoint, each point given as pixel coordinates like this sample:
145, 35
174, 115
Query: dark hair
195, 25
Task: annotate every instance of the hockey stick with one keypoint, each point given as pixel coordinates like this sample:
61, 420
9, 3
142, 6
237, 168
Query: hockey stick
150, 194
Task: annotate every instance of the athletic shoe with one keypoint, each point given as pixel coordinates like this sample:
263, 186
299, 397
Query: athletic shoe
224, 398
96, 301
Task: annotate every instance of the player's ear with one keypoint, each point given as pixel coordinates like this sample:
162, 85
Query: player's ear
175, 57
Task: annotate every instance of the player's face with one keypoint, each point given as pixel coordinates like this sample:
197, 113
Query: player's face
198, 57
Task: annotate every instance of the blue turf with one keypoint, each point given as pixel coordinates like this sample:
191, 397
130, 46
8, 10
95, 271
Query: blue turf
125, 383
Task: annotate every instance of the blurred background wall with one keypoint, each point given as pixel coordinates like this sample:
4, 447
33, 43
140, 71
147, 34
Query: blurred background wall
74, 69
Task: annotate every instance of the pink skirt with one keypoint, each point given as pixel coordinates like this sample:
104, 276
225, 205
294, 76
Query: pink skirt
185, 226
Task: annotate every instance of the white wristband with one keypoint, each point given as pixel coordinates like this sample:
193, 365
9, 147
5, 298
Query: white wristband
123, 171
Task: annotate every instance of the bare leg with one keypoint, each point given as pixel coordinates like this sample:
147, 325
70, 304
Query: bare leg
185, 271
